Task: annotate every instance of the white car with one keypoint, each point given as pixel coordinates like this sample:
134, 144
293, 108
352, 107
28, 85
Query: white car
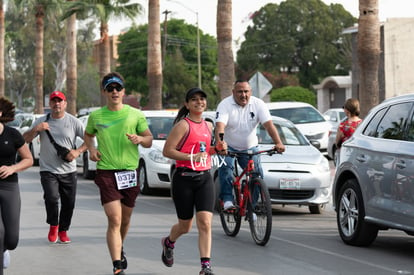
154, 168
27, 121
88, 166
334, 116
299, 176
306, 118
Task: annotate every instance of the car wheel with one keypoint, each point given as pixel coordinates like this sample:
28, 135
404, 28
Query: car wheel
143, 181
316, 208
86, 173
350, 216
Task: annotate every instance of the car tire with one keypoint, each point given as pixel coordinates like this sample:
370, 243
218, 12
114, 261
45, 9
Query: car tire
86, 173
316, 208
143, 181
350, 216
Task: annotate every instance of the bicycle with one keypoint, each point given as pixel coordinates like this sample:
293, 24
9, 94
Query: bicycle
251, 200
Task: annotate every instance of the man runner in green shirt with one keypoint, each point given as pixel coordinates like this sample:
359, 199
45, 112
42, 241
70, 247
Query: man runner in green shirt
119, 129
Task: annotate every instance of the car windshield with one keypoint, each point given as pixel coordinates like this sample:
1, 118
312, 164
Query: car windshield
160, 127
298, 115
288, 133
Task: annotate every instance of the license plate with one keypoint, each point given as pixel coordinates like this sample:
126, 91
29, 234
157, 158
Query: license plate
289, 184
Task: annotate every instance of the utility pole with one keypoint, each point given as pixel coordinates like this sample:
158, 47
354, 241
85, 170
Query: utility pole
164, 48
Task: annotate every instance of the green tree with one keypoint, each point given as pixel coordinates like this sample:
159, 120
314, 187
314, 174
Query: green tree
293, 93
180, 71
302, 37
103, 10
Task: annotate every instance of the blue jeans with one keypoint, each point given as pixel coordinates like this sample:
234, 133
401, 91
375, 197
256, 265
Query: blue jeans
225, 172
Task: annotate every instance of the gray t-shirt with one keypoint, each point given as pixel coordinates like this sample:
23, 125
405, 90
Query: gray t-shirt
64, 130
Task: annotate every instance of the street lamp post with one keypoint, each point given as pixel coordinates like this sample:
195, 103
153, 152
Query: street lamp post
198, 41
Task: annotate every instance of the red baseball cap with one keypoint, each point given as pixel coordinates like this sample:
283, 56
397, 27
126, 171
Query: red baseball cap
58, 95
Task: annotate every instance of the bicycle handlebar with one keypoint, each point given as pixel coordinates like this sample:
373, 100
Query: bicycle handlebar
269, 152
234, 154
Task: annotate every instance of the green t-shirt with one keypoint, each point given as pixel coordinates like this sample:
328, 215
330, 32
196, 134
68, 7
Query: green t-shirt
110, 128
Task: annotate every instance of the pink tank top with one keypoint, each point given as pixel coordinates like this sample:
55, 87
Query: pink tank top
196, 139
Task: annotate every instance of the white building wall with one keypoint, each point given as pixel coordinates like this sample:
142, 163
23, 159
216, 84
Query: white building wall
399, 56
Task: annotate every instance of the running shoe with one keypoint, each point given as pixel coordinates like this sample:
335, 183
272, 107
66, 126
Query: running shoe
53, 233
124, 261
167, 255
6, 259
228, 205
206, 271
63, 237
118, 271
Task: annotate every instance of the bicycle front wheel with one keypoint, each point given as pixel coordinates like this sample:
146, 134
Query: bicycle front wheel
259, 212
231, 219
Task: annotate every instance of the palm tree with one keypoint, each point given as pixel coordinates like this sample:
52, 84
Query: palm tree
2, 31
154, 64
40, 8
225, 51
368, 54
103, 10
71, 56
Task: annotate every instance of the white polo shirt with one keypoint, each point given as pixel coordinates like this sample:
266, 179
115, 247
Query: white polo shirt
241, 122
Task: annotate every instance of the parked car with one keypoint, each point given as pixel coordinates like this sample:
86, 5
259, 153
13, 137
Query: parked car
299, 176
155, 169
334, 116
306, 118
88, 166
373, 185
27, 120
331, 149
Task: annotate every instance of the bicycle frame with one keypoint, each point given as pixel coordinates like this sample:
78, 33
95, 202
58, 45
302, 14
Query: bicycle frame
245, 194
256, 210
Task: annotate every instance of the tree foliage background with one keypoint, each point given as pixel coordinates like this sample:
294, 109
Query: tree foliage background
301, 37
180, 64
19, 58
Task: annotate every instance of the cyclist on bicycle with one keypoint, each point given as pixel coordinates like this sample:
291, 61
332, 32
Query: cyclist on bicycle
238, 117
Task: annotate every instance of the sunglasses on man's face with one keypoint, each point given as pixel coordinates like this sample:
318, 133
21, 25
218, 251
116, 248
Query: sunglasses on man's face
110, 89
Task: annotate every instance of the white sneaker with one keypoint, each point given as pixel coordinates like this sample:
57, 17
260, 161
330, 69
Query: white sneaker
6, 259
254, 216
228, 205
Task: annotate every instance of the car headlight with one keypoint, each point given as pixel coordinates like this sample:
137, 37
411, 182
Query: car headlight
323, 165
156, 156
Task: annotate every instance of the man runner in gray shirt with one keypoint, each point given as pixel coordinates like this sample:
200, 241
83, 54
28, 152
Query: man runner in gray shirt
58, 177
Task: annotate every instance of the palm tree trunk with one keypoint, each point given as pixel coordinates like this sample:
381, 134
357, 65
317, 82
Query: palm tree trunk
39, 59
71, 73
225, 51
154, 66
368, 54
2, 31
104, 55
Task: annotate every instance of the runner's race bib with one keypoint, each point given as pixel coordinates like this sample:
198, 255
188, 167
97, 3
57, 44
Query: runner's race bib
126, 179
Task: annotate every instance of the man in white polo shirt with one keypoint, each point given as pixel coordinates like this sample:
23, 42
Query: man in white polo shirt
237, 118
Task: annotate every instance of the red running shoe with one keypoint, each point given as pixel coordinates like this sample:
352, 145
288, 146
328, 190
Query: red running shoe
53, 233
63, 237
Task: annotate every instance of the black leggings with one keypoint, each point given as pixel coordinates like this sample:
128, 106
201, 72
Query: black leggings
192, 190
10, 204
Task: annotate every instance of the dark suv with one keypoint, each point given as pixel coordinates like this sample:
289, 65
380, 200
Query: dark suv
374, 183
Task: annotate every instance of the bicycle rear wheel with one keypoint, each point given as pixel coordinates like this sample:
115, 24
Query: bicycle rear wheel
259, 212
231, 219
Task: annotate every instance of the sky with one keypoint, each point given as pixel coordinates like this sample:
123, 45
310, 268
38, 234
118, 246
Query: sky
205, 11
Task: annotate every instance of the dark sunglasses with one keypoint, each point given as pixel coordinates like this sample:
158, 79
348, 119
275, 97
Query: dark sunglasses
110, 89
